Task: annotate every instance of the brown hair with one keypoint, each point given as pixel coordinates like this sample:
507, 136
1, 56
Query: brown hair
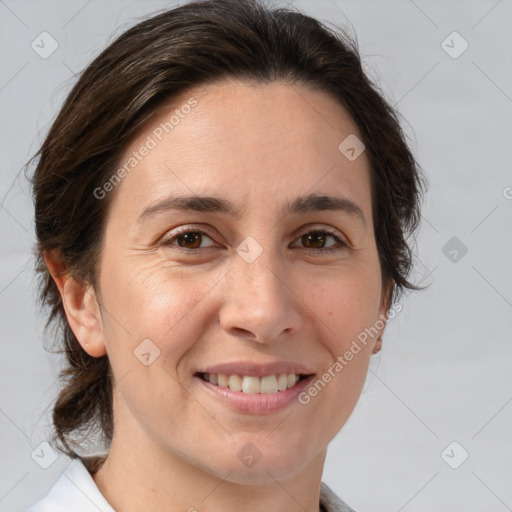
196, 43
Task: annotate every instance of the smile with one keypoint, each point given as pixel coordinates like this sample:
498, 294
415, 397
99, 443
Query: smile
261, 394
251, 384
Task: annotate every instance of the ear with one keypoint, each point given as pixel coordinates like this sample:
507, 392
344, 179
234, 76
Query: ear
383, 314
81, 307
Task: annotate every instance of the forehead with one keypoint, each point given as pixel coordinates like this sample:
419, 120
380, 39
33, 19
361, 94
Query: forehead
244, 141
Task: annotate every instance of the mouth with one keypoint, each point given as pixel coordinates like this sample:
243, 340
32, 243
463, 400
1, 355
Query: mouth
252, 384
253, 390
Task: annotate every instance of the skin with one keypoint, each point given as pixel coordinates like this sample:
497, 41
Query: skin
175, 446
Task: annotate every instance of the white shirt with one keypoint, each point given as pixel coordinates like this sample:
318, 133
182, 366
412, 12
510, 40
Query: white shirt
77, 491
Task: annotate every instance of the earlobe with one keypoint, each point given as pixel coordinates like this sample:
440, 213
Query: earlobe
387, 296
81, 307
383, 315
378, 345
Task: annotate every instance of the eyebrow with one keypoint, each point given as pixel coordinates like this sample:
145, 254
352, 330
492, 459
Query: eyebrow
209, 204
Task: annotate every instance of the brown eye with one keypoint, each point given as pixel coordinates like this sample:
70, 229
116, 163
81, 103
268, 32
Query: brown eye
190, 240
315, 242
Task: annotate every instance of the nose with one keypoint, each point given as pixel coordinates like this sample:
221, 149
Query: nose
262, 303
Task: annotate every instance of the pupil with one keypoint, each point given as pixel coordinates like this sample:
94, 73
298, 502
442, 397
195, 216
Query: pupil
319, 237
189, 239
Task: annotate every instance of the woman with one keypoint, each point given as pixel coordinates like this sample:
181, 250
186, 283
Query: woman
222, 209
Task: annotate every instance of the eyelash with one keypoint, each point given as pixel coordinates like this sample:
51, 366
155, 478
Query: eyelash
169, 241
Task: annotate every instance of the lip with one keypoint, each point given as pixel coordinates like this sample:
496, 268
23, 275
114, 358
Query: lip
257, 403
257, 370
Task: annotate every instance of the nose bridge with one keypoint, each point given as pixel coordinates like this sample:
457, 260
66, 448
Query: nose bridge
262, 268
260, 302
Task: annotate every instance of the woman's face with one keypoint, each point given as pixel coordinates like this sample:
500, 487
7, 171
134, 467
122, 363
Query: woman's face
278, 283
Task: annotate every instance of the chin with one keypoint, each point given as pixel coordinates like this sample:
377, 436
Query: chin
258, 461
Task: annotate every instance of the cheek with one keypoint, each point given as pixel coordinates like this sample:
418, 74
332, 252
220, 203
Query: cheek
153, 302
347, 307
346, 304
165, 306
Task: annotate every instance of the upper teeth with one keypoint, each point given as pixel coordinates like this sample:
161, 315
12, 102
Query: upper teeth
252, 384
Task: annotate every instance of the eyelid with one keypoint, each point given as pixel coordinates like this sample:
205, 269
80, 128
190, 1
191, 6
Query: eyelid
166, 239
320, 227
190, 227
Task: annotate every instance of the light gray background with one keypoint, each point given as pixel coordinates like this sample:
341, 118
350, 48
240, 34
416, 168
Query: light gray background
444, 372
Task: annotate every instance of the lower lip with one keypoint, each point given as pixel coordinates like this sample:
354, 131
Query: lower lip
256, 403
